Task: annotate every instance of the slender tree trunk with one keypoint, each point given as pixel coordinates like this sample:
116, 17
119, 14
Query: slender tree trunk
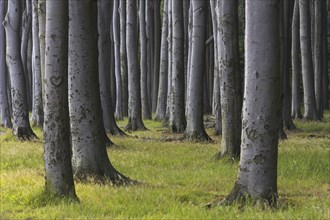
89, 155
186, 6
231, 101
150, 57
169, 112
116, 37
123, 56
4, 103
42, 30
325, 87
178, 123
257, 174
296, 63
195, 126
163, 71
157, 47
190, 32
26, 31
318, 56
57, 151
307, 63
21, 124
134, 114
104, 68
144, 59
37, 117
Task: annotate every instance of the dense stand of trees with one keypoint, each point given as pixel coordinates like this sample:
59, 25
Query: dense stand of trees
79, 65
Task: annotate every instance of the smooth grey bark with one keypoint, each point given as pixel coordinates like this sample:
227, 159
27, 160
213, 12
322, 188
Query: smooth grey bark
103, 21
195, 126
190, 29
318, 56
42, 30
37, 117
163, 70
178, 122
169, 112
116, 37
89, 156
144, 58
134, 96
325, 93
296, 63
257, 174
25, 35
231, 100
123, 56
4, 102
156, 52
57, 149
186, 6
21, 124
146, 104
285, 46
216, 82
307, 63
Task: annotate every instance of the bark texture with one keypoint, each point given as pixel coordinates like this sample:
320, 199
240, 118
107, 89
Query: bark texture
178, 122
57, 150
195, 126
134, 100
4, 102
89, 155
257, 174
21, 124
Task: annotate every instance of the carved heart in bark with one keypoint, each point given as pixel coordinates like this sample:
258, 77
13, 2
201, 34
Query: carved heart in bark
56, 80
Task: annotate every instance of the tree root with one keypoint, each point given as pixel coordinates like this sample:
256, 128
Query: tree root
24, 133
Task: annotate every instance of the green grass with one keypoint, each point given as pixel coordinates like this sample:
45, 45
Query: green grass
181, 179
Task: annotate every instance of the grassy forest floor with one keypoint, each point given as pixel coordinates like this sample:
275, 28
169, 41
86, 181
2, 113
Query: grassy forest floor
181, 179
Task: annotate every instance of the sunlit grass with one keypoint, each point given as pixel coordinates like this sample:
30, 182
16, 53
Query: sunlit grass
179, 176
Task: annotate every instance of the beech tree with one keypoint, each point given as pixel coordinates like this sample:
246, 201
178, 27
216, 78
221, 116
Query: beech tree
37, 117
231, 101
134, 109
163, 70
178, 122
257, 174
195, 127
306, 61
4, 104
89, 155
12, 22
57, 149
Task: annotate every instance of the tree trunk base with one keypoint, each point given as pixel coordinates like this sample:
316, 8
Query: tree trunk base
116, 131
282, 134
37, 122
240, 195
135, 125
7, 124
289, 124
24, 133
220, 156
201, 136
296, 115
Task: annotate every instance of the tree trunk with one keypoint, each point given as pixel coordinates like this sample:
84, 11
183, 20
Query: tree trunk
169, 112
57, 150
157, 46
144, 58
325, 93
42, 30
296, 63
231, 101
26, 31
116, 37
4, 103
257, 175
134, 113
89, 155
37, 117
123, 56
307, 64
190, 31
195, 126
21, 124
178, 123
318, 56
286, 89
104, 68
163, 70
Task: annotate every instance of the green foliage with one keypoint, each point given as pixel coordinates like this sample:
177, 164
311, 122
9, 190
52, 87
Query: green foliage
179, 179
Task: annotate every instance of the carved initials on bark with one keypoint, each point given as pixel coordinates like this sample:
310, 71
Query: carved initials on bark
56, 80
